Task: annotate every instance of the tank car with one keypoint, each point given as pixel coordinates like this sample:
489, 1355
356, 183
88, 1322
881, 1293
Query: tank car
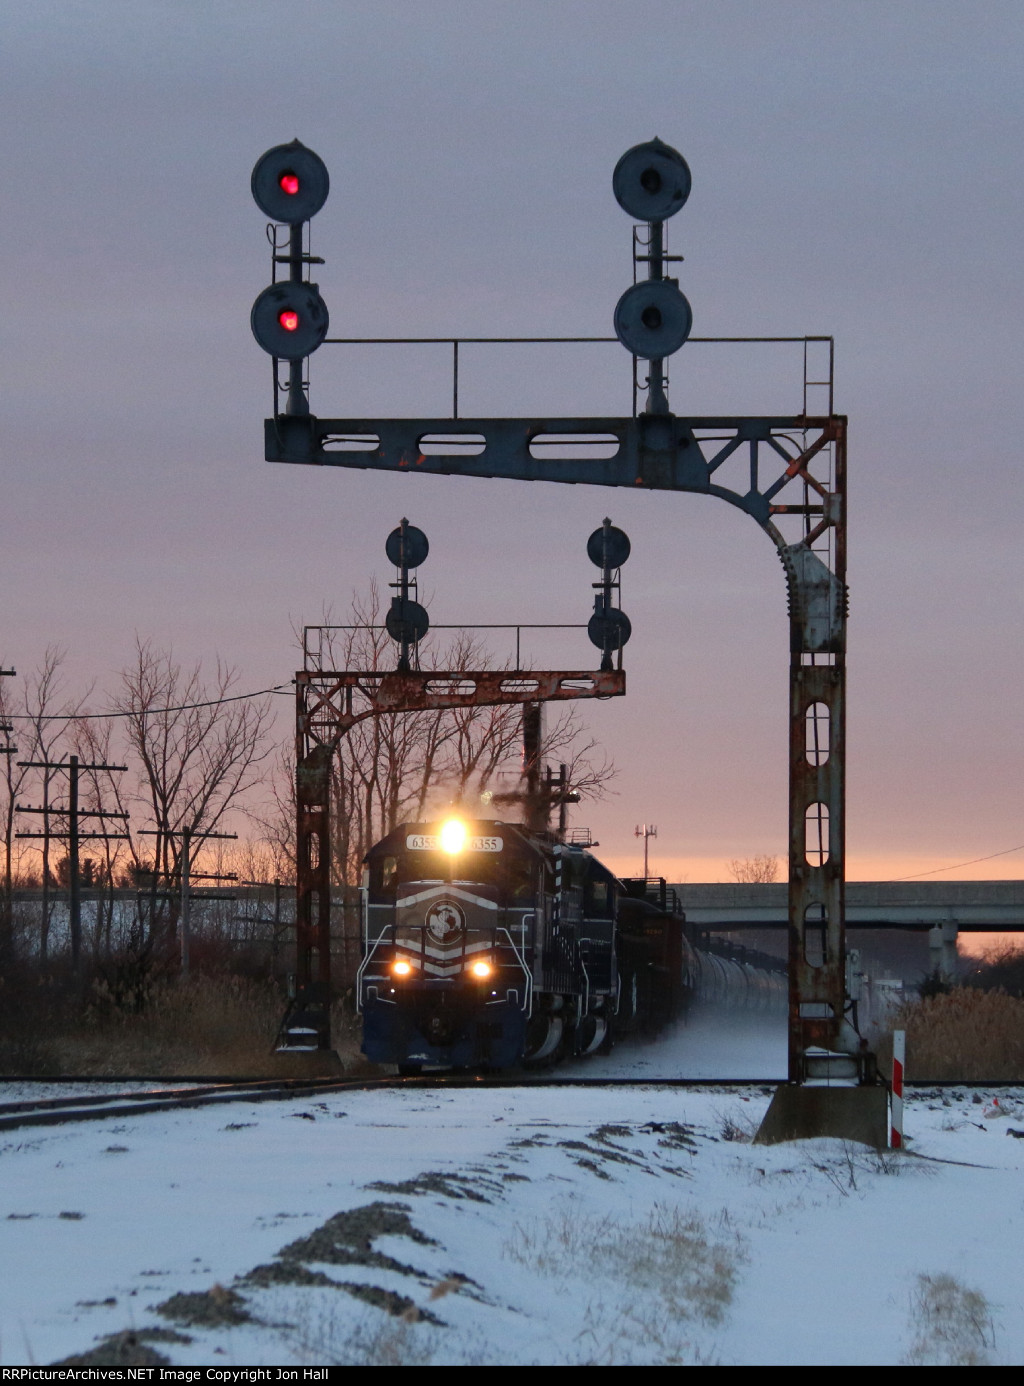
485, 945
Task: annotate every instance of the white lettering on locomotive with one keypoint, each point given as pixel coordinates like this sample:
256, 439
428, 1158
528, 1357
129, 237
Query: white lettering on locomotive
430, 842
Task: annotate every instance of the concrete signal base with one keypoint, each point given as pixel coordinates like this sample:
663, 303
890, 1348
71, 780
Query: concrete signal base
799, 1112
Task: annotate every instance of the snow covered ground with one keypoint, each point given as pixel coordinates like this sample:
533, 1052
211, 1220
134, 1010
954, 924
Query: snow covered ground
481, 1226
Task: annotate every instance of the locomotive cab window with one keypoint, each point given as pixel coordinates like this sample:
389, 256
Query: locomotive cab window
597, 899
384, 876
520, 880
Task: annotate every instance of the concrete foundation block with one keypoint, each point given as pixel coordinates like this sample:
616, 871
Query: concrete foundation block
799, 1112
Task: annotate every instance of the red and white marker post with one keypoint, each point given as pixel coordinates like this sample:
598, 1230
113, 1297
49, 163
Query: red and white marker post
899, 1056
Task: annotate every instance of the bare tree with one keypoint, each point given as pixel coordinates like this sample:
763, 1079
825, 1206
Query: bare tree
760, 870
195, 746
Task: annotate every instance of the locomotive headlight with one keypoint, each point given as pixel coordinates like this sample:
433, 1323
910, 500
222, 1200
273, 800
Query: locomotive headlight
401, 969
481, 970
453, 836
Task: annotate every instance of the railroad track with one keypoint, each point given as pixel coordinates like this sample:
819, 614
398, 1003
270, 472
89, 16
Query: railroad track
54, 1111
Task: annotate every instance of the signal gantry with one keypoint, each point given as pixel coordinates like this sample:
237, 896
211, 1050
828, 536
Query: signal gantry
795, 476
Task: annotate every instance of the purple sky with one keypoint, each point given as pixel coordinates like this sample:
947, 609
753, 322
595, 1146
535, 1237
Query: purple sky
856, 171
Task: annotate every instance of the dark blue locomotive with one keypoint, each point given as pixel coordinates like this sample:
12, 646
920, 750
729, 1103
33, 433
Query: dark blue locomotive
485, 944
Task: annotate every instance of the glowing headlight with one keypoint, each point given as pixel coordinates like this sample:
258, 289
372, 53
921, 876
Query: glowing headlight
481, 969
401, 969
453, 836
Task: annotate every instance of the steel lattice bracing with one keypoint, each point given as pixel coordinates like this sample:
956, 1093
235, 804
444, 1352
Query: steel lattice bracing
786, 472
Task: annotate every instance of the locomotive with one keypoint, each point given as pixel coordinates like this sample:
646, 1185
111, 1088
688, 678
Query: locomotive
486, 944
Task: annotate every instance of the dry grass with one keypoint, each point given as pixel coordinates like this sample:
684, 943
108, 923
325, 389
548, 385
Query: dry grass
952, 1324
218, 1025
200, 1025
964, 1034
324, 1332
644, 1281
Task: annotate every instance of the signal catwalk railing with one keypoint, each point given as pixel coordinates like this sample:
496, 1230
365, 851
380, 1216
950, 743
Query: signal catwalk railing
808, 343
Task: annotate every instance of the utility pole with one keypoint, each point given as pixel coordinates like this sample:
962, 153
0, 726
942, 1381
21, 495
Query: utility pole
645, 832
186, 876
7, 727
273, 920
6, 925
73, 833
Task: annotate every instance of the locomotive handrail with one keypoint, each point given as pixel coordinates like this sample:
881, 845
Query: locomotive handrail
528, 1007
361, 970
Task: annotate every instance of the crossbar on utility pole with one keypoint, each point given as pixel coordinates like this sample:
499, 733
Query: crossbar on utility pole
73, 766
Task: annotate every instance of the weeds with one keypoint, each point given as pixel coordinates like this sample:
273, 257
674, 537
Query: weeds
661, 1273
953, 1324
217, 1023
325, 1334
964, 1034
736, 1126
197, 1025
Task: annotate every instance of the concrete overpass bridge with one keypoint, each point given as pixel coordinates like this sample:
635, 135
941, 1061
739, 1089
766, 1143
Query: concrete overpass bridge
964, 906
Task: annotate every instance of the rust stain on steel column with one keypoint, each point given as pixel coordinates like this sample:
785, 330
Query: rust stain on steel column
817, 784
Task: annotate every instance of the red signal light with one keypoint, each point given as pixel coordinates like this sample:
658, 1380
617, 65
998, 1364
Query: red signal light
289, 320
289, 183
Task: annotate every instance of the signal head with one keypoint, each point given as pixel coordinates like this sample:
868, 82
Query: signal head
290, 183
653, 319
651, 181
289, 320
406, 620
608, 547
414, 545
609, 628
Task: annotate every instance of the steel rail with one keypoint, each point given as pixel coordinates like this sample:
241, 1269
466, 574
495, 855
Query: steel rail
100, 1107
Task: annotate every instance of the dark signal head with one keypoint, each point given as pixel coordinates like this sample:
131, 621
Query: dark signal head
608, 547
653, 319
289, 320
407, 546
608, 628
651, 181
290, 183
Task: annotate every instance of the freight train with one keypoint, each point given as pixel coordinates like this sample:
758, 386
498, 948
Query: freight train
486, 945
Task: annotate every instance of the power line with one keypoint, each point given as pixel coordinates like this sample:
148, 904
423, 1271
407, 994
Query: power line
149, 711
956, 865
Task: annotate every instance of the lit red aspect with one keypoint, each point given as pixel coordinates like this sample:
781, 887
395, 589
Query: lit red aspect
289, 183
289, 319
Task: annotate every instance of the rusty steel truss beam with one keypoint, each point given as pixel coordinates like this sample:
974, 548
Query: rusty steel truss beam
660, 451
